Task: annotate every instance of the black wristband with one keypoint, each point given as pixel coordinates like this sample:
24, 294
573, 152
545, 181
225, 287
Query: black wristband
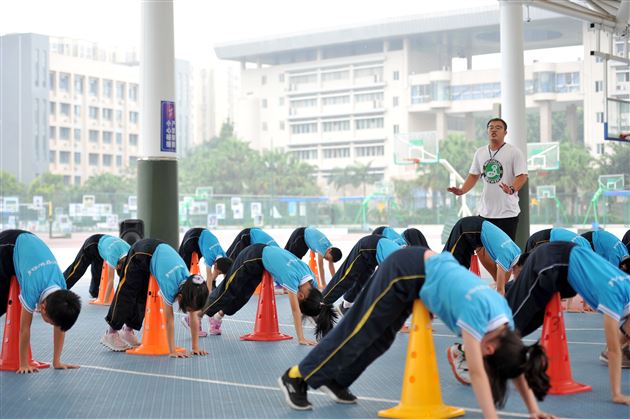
512, 189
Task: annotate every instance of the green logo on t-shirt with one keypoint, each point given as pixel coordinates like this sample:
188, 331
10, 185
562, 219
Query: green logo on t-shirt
493, 171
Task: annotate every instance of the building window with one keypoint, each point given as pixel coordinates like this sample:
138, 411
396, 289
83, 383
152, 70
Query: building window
369, 151
77, 111
304, 128
335, 100
420, 93
78, 85
568, 82
120, 91
64, 82
376, 73
77, 180
369, 97
107, 160
93, 159
133, 92
108, 87
336, 126
336, 75
52, 132
396, 75
52, 156
119, 138
119, 116
396, 129
93, 86
601, 148
263, 103
108, 114
304, 103
64, 133
133, 139
64, 157
599, 116
66, 180
133, 161
263, 80
305, 154
368, 123
65, 110
93, 112
337, 153
599, 85
77, 134
133, 117
107, 137
303, 79
118, 161
77, 158
623, 76
395, 101
93, 136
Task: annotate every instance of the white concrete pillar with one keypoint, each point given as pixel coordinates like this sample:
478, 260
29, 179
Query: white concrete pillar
546, 122
440, 124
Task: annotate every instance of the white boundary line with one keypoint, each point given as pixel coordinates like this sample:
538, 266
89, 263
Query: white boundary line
259, 387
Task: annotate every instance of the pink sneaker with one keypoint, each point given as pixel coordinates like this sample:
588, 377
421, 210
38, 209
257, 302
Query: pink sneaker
186, 323
215, 326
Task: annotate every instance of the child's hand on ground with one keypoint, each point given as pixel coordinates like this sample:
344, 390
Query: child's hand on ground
62, 366
27, 370
309, 342
184, 354
199, 352
541, 415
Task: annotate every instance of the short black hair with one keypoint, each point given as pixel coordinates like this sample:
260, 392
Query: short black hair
624, 265
63, 308
495, 120
120, 266
223, 264
311, 305
336, 254
193, 294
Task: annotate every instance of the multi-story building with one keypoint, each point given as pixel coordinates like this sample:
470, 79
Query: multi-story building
342, 96
73, 108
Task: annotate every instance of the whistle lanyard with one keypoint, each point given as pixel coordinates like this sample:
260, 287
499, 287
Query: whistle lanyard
492, 157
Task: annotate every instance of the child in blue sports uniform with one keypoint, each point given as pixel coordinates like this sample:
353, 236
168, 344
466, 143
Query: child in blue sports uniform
145, 258
608, 246
570, 269
26, 256
286, 269
207, 246
246, 237
357, 269
414, 237
304, 238
496, 251
391, 234
96, 250
554, 234
466, 305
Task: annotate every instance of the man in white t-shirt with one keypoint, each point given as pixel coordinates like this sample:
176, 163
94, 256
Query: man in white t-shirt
504, 171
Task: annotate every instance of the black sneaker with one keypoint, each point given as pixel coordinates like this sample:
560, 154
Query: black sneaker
338, 393
294, 390
342, 309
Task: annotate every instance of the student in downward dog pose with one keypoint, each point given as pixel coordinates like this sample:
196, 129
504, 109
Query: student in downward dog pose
462, 300
414, 237
357, 269
496, 251
287, 270
246, 237
205, 244
26, 256
552, 235
146, 258
390, 233
304, 238
608, 246
571, 269
96, 250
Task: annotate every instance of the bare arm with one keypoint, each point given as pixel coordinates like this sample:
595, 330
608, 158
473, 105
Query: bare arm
110, 282
58, 339
26, 319
478, 376
518, 183
320, 269
469, 183
501, 279
170, 333
529, 399
614, 359
195, 319
297, 321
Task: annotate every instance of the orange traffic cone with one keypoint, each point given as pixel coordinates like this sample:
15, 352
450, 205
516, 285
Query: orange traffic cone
313, 265
154, 340
10, 355
554, 340
102, 288
474, 265
194, 263
421, 395
266, 326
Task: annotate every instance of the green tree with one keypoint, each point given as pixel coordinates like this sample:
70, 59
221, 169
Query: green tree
227, 130
282, 172
360, 174
109, 188
54, 189
616, 161
10, 186
339, 178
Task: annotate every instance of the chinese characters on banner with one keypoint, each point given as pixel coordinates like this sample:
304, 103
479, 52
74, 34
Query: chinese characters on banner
167, 137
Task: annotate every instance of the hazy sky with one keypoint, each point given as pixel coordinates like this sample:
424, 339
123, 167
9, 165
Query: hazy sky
200, 24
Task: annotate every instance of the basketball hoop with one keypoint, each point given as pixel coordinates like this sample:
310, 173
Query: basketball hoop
624, 135
542, 173
413, 160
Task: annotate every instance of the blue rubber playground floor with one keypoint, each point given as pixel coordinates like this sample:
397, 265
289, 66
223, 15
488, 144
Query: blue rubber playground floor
238, 379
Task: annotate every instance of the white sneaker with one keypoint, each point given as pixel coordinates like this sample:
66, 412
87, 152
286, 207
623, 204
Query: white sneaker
129, 338
457, 360
186, 323
114, 342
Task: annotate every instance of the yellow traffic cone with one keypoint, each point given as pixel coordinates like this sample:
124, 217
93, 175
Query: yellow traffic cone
421, 395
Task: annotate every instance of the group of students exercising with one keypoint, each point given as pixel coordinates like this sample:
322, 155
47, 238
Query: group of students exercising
376, 285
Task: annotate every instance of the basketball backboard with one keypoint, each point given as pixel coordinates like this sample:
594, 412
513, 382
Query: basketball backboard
611, 182
543, 156
617, 124
413, 148
546, 191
